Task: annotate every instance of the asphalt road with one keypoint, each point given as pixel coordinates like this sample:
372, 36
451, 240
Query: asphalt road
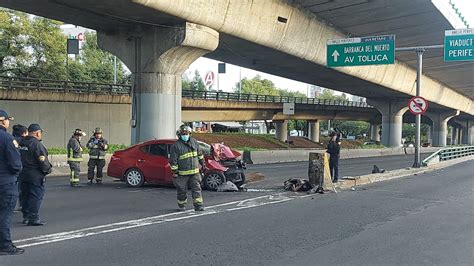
424, 219
276, 174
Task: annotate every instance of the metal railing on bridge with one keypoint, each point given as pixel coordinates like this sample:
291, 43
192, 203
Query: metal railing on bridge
448, 154
15, 83
237, 97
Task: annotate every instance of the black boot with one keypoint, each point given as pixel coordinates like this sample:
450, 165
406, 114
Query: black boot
198, 208
36, 222
11, 250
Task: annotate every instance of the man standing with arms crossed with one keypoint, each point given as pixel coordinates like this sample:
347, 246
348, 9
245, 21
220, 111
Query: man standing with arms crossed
10, 168
97, 146
186, 161
36, 166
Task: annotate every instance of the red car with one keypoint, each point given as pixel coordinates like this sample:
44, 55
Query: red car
147, 162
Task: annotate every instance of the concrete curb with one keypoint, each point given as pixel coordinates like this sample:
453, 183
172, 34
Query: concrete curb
350, 182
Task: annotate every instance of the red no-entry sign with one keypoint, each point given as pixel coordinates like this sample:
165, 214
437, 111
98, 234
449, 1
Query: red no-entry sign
417, 105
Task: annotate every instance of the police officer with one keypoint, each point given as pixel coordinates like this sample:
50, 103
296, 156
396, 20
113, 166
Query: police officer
36, 166
19, 132
185, 160
97, 146
334, 149
10, 168
74, 155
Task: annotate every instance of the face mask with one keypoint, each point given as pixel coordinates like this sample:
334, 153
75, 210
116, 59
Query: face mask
185, 138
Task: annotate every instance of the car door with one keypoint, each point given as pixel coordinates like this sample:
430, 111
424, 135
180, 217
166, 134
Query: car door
153, 161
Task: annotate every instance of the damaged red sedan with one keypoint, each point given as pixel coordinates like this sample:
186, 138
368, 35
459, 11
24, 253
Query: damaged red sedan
147, 162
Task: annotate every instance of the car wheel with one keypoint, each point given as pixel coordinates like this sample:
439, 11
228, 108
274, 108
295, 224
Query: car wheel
134, 178
240, 183
213, 179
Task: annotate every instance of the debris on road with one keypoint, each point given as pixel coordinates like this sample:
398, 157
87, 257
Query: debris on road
228, 187
297, 185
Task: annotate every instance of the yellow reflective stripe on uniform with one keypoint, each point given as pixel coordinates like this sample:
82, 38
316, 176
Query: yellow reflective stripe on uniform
188, 155
174, 167
181, 202
189, 172
74, 159
200, 157
198, 200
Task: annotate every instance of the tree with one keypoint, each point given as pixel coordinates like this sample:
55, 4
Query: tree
31, 47
329, 95
257, 85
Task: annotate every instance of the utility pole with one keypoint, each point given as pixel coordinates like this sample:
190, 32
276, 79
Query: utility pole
419, 72
115, 69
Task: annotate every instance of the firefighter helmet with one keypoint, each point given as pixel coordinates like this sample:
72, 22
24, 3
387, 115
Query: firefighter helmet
182, 129
98, 130
79, 132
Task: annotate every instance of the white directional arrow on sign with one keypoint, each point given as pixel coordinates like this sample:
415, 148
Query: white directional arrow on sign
335, 54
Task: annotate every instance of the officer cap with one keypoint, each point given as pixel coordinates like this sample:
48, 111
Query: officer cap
4, 116
34, 127
183, 129
79, 132
98, 130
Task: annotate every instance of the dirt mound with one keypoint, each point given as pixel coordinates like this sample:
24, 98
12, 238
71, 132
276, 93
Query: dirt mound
242, 141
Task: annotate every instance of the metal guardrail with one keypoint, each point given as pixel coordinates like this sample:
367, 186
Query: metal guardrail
14, 83
237, 97
448, 154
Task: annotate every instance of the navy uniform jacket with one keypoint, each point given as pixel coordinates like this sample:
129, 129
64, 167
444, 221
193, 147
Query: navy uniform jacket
334, 147
10, 160
34, 157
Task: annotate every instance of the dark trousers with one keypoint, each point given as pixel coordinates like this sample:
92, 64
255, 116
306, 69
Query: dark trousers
31, 198
92, 164
182, 183
8, 198
334, 167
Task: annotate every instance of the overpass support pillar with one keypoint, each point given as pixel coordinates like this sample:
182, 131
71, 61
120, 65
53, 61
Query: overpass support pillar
281, 128
428, 135
455, 136
157, 57
440, 126
374, 132
314, 130
392, 120
467, 132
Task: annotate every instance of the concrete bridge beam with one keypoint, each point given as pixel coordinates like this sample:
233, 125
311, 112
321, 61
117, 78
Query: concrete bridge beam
157, 58
440, 126
314, 130
281, 128
392, 120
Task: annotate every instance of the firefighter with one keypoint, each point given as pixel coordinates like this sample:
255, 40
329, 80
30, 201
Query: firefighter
36, 166
186, 161
10, 168
74, 156
97, 146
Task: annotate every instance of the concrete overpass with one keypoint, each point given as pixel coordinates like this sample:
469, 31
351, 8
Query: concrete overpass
87, 105
158, 39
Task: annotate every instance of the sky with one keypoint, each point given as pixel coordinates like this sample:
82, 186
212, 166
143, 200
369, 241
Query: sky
227, 81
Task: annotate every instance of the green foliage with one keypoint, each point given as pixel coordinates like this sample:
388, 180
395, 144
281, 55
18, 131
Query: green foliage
329, 95
195, 83
112, 148
35, 47
31, 47
259, 86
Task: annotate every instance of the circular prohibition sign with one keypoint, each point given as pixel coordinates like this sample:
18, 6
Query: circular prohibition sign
418, 105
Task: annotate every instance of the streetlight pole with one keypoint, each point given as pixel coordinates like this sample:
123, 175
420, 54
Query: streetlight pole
419, 72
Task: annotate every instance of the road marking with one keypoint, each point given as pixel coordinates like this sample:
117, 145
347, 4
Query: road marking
159, 219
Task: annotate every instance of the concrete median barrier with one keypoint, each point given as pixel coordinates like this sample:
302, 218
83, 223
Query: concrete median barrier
296, 155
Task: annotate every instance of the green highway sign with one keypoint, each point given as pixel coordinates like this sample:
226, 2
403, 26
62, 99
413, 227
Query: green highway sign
459, 45
376, 50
